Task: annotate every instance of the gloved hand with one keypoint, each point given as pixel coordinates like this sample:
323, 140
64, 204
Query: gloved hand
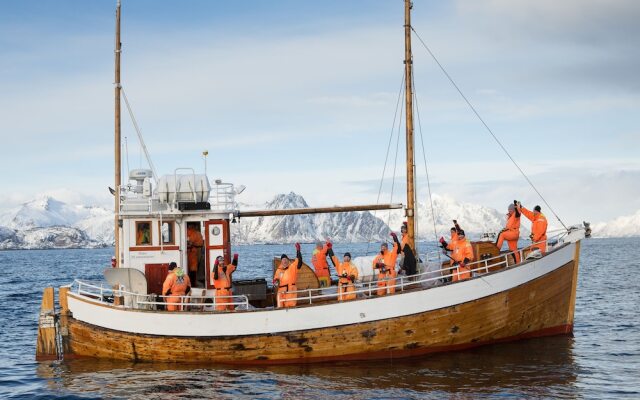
235, 257
329, 245
394, 236
352, 278
344, 274
297, 246
215, 264
466, 261
531, 237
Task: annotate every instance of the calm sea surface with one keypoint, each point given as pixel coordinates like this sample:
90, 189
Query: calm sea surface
601, 361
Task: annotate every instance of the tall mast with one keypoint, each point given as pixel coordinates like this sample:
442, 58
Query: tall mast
117, 165
408, 60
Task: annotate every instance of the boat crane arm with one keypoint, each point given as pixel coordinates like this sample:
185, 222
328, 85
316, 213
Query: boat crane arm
317, 210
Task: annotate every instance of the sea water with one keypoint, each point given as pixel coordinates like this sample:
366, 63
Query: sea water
602, 360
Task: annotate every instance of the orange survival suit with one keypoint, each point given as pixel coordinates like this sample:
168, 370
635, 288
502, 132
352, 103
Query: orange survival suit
177, 283
222, 282
194, 246
347, 275
462, 254
538, 228
385, 263
511, 232
320, 265
285, 277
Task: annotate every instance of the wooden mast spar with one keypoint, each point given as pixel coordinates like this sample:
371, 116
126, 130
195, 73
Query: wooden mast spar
117, 144
408, 60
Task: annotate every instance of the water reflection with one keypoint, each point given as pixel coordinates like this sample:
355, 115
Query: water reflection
533, 368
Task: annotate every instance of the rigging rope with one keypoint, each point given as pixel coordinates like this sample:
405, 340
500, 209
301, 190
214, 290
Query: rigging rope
126, 152
393, 126
135, 125
395, 163
487, 126
424, 157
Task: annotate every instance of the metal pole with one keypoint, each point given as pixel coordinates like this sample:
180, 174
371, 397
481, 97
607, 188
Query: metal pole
117, 166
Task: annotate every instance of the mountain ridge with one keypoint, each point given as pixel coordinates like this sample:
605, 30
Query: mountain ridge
46, 222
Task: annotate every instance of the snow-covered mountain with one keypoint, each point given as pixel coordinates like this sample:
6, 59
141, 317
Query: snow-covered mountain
474, 219
361, 226
341, 227
49, 223
626, 226
46, 223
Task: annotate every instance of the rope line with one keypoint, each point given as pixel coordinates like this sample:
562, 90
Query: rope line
139, 133
424, 157
395, 164
487, 126
393, 126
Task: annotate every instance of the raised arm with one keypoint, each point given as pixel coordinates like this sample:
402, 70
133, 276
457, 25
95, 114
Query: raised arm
298, 255
396, 243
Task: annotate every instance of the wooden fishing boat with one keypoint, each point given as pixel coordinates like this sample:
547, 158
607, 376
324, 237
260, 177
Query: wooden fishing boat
126, 319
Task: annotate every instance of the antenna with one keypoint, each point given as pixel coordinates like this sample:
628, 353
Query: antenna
204, 155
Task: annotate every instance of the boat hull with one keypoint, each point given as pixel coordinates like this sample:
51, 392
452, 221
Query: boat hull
539, 307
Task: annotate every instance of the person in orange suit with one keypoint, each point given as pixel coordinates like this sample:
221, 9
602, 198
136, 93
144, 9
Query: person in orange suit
285, 277
409, 263
385, 263
347, 275
462, 251
222, 282
175, 284
449, 246
446, 247
194, 248
538, 227
320, 265
511, 231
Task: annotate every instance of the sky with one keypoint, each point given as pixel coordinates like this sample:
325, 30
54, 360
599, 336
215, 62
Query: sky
301, 96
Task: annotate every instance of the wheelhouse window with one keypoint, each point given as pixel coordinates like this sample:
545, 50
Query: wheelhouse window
143, 233
167, 232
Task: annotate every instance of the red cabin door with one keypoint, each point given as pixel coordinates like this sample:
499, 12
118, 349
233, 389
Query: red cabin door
155, 274
217, 241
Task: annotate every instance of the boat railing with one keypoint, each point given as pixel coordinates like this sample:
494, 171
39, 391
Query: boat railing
222, 197
98, 292
443, 275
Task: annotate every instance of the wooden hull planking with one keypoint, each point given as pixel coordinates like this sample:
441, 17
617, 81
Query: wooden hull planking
541, 307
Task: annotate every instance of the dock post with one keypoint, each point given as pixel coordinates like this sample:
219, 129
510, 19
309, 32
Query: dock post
46, 348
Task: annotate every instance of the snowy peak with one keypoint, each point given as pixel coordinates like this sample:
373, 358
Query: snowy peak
474, 219
286, 201
46, 211
625, 226
342, 227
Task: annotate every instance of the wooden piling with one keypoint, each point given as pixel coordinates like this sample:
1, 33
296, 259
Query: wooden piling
46, 345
